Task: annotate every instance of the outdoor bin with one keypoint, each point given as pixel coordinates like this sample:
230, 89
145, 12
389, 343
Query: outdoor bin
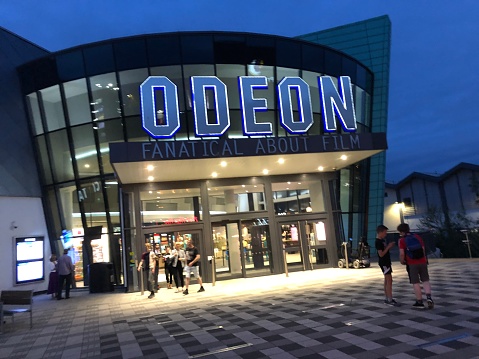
101, 277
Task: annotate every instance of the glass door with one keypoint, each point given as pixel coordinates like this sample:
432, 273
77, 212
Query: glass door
227, 250
242, 248
304, 244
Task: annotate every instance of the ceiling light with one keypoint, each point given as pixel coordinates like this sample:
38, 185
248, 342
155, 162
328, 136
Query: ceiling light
265, 171
150, 167
87, 165
320, 168
299, 182
289, 182
281, 161
344, 157
223, 164
150, 192
243, 186
214, 175
151, 178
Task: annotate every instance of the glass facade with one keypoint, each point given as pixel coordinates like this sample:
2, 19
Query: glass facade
92, 99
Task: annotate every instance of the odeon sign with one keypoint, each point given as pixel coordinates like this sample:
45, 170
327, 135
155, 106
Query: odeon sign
333, 101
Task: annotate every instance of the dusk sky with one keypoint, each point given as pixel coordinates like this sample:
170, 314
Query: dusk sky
434, 83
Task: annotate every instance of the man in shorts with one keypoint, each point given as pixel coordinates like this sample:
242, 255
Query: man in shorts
192, 266
417, 267
384, 261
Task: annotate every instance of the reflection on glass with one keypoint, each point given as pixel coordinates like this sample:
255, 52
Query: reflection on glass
106, 103
130, 84
108, 132
52, 105
62, 162
77, 102
239, 198
175, 206
85, 151
298, 197
91, 194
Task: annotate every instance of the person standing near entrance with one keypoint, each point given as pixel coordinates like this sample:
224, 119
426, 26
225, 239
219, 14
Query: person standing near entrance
192, 266
148, 260
384, 261
157, 266
65, 271
179, 254
412, 253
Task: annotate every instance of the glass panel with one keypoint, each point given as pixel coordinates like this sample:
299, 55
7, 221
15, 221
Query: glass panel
130, 86
62, 162
316, 233
70, 208
70, 65
114, 204
229, 75
52, 105
197, 70
344, 189
227, 248
311, 78
44, 162
34, 114
108, 131
239, 198
99, 59
174, 74
298, 197
77, 102
170, 206
106, 103
91, 195
134, 130
85, 151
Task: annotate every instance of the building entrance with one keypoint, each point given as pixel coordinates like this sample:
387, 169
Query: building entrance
242, 248
304, 244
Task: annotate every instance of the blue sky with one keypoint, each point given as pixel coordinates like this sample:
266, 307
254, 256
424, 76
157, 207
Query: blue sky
435, 51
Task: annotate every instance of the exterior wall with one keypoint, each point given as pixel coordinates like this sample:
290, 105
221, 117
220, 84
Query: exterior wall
26, 214
18, 170
368, 41
20, 192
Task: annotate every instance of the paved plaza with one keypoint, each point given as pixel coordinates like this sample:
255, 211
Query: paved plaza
325, 313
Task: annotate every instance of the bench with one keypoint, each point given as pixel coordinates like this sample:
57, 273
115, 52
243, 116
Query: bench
15, 302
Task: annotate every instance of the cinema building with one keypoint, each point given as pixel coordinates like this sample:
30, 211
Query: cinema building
267, 152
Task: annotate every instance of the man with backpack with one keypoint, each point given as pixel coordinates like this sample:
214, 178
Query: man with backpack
413, 254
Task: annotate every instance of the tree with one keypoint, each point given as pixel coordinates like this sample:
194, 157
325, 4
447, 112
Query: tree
446, 229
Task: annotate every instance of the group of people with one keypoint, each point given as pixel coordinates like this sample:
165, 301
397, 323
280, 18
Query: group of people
177, 261
61, 274
412, 254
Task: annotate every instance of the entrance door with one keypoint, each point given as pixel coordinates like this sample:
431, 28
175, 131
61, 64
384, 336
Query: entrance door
242, 248
304, 244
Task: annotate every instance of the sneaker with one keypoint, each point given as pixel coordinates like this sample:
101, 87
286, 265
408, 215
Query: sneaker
430, 303
185, 292
418, 304
201, 289
392, 302
152, 295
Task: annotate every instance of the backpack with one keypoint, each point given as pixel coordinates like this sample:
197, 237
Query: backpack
413, 247
169, 261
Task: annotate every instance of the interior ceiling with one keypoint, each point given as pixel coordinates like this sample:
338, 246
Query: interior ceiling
253, 166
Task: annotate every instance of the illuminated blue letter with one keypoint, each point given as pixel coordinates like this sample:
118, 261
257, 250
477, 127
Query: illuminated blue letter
148, 108
286, 105
250, 105
331, 102
199, 84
